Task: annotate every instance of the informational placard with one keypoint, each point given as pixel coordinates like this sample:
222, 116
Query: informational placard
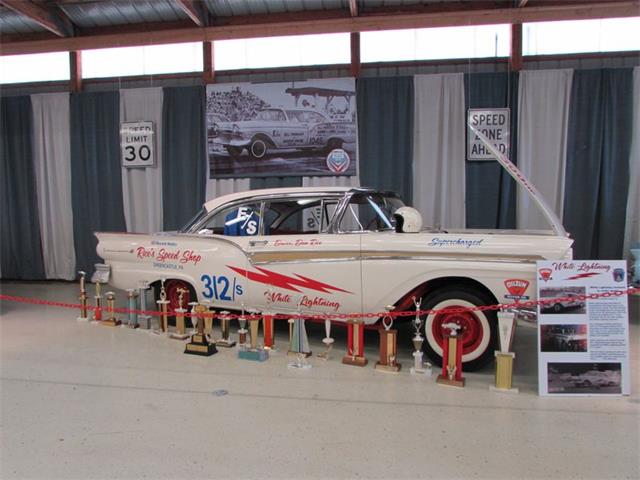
494, 123
583, 337
137, 144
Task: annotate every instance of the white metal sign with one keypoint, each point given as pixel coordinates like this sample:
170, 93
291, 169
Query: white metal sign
137, 144
583, 337
495, 124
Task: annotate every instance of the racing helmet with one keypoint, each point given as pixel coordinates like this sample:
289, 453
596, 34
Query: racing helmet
408, 220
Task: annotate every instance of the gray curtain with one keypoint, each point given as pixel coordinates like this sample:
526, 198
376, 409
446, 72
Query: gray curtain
96, 177
184, 167
275, 182
385, 134
490, 191
20, 247
597, 174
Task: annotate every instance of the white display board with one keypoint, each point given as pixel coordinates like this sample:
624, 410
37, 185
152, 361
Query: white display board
583, 343
137, 145
495, 124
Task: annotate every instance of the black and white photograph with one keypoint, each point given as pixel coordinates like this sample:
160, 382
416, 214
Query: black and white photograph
587, 378
563, 338
277, 129
561, 300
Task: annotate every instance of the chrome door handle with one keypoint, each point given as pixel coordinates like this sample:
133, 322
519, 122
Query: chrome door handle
258, 243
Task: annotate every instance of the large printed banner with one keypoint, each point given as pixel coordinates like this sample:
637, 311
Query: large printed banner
282, 129
583, 344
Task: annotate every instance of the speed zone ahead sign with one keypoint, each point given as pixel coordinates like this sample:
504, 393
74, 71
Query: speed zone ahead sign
136, 140
495, 125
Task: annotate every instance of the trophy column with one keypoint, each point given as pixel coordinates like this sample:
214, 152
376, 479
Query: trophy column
355, 341
451, 357
112, 321
388, 346
132, 297
327, 340
225, 321
242, 331
163, 304
504, 357
181, 330
83, 298
97, 312
268, 330
254, 353
144, 318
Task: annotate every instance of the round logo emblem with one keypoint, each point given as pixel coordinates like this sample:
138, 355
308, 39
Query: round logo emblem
338, 160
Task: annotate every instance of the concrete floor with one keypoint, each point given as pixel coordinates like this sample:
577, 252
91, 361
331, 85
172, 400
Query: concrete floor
86, 401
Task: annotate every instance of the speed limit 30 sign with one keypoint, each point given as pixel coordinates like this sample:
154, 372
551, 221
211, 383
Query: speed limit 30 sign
136, 140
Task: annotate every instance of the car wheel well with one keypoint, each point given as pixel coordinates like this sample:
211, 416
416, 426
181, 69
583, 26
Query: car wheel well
265, 138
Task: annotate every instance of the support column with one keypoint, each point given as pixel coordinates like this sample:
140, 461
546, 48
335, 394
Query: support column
355, 54
75, 71
515, 54
209, 73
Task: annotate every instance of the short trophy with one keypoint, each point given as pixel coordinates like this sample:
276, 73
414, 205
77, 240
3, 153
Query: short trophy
451, 356
97, 311
327, 340
83, 298
144, 319
418, 367
504, 357
181, 329
255, 352
388, 345
199, 344
355, 344
163, 306
225, 321
112, 321
132, 302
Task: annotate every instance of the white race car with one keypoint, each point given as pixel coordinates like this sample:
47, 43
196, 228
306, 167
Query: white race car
340, 250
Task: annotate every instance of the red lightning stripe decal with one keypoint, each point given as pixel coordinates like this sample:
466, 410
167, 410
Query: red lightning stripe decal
583, 275
283, 281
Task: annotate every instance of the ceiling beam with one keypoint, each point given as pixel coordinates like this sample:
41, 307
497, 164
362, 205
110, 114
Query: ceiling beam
353, 8
196, 11
331, 22
45, 17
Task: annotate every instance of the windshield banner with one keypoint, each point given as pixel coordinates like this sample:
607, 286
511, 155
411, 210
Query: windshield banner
305, 128
583, 342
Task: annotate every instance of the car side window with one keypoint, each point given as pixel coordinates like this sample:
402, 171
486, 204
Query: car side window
296, 216
237, 221
366, 212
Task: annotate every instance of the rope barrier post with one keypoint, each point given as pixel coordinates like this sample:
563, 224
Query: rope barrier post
504, 356
83, 298
355, 344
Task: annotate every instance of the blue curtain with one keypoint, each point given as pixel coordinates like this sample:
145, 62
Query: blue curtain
385, 134
597, 175
96, 172
184, 160
20, 244
275, 182
490, 191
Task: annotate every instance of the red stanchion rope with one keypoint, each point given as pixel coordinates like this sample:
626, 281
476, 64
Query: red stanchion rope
337, 316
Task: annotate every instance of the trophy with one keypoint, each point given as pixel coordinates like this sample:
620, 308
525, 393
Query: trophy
388, 345
144, 318
327, 340
132, 300
225, 320
199, 344
242, 332
504, 357
194, 318
97, 312
418, 367
112, 321
255, 353
163, 304
355, 342
181, 330
451, 357
208, 321
83, 298
299, 342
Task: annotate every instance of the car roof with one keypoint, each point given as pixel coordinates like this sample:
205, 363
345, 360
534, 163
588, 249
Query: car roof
216, 202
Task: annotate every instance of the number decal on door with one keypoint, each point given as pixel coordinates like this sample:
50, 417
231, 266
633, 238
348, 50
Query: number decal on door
220, 287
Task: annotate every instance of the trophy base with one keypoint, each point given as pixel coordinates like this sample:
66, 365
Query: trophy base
420, 371
388, 368
111, 323
355, 361
225, 343
291, 353
300, 365
199, 346
132, 326
442, 380
259, 355
503, 390
179, 336
82, 319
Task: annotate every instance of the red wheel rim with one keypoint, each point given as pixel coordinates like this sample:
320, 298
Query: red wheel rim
471, 332
172, 287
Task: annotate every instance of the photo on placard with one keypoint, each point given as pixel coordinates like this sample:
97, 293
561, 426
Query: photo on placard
563, 300
585, 377
563, 338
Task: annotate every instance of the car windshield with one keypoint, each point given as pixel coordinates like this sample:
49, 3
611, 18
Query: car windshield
197, 218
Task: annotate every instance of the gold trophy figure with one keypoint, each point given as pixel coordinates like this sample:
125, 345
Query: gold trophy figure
83, 298
225, 321
388, 345
112, 321
327, 340
97, 312
181, 331
199, 344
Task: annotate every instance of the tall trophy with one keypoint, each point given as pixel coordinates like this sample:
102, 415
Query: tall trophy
225, 321
355, 344
327, 340
242, 331
112, 321
144, 318
388, 345
199, 344
255, 352
83, 298
132, 301
451, 356
97, 312
419, 368
194, 317
208, 320
181, 329
504, 356
163, 306
299, 343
